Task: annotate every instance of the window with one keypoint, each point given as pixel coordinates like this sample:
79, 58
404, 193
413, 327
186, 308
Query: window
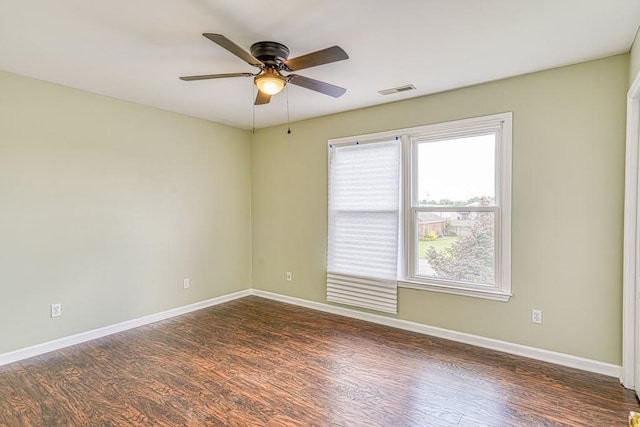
447, 228
457, 198
364, 217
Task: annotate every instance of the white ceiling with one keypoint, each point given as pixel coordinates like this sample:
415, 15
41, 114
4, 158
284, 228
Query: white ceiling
136, 49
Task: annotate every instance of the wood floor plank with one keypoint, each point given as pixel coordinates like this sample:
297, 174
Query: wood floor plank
256, 362
166, 386
47, 409
14, 409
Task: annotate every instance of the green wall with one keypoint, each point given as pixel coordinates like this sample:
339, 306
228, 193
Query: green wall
568, 182
108, 205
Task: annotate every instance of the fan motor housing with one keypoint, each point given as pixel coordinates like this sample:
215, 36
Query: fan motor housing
270, 53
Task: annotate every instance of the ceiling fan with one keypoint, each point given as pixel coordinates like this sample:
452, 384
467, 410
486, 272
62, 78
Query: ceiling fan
272, 60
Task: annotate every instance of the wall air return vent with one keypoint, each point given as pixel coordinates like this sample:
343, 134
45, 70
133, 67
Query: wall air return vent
396, 89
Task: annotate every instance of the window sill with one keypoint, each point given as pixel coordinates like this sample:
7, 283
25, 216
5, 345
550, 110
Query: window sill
467, 292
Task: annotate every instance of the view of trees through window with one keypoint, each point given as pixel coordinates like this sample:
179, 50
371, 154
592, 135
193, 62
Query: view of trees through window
457, 246
455, 219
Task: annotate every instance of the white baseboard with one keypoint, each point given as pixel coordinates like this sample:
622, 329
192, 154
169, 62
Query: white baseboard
506, 347
46, 347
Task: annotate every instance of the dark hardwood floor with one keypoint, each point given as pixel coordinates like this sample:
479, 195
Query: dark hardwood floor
256, 362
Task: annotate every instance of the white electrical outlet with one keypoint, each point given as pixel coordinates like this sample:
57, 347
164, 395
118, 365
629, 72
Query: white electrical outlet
186, 283
289, 276
536, 316
56, 310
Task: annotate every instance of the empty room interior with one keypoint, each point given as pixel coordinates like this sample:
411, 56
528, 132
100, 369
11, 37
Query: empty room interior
319, 213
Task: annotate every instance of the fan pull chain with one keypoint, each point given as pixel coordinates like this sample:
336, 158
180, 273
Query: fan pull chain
253, 129
288, 120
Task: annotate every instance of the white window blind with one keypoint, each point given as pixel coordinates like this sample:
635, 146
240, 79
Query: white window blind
364, 213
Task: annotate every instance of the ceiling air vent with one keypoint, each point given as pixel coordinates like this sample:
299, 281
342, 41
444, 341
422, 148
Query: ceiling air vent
396, 89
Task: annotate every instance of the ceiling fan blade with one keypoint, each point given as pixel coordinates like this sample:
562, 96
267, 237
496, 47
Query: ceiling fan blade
215, 76
316, 85
262, 98
224, 42
324, 56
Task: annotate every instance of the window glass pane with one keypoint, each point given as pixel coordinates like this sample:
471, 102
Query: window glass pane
456, 246
457, 172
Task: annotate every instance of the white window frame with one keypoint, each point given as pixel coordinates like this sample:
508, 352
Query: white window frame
500, 125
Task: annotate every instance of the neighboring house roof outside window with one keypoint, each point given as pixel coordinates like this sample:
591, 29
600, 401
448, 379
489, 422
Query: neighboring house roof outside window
429, 217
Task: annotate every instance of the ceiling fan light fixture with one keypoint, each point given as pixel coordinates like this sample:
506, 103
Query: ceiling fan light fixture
269, 82
272, 58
